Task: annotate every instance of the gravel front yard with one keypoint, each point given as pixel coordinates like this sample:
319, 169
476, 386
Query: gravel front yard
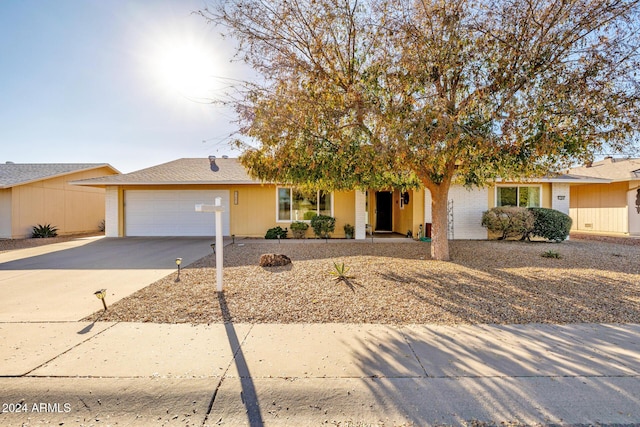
487, 282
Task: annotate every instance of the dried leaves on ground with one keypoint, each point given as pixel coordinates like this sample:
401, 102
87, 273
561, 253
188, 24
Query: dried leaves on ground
486, 282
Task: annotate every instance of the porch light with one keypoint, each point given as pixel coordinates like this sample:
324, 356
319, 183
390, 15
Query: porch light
100, 295
178, 263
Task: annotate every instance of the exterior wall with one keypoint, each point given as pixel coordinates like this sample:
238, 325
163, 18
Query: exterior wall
560, 197
72, 209
360, 215
255, 212
5, 213
468, 206
112, 212
402, 217
600, 208
633, 201
344, 211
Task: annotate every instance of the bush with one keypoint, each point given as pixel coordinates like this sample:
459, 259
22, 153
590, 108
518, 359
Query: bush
299, 229
323, 225
508, 221
42, 231
276, 233
550, 224
309, 215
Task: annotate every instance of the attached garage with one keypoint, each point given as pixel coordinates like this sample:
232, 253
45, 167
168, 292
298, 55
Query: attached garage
172, 212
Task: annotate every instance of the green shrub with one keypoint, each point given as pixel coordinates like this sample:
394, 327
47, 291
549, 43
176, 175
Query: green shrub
551, 254
309, 215
508, 221
276, 233
299, 229
349, 231
42, 231
323, 225
550, 224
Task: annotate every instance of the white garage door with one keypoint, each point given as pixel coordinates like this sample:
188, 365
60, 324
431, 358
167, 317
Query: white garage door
172, 213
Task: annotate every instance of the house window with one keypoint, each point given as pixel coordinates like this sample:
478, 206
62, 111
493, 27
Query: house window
296, 205
523, 196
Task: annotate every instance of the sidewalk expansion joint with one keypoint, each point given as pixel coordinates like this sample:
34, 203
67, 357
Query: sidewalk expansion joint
224, 375
69, 349
415, 355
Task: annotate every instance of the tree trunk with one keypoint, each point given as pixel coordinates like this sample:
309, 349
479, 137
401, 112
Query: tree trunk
439, 230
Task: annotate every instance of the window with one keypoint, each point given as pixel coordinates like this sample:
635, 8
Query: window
296, 205
523, 196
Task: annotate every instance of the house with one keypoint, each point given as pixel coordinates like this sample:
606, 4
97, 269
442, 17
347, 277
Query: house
611, 206
32, 194
160, 201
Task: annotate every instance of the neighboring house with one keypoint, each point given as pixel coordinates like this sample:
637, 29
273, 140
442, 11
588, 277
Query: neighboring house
32, 194
612, 206
160, 201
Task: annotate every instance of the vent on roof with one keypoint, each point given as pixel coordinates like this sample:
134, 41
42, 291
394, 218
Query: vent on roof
225, 157
10, 163
212, 161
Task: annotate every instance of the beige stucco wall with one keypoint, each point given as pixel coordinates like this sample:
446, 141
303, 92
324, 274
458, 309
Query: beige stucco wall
5, 213
71, 209
600, 208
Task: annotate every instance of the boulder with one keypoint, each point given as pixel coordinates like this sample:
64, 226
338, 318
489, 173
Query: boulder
274, 260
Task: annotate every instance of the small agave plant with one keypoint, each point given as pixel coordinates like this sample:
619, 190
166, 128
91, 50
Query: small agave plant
340, 271
42, 231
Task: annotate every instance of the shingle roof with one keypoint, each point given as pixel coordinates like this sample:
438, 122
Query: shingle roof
181, 171
12, 174
612, 169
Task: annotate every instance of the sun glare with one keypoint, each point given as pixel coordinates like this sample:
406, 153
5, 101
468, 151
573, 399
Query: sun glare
186, 68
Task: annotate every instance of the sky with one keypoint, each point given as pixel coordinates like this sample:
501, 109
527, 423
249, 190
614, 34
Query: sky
124, 82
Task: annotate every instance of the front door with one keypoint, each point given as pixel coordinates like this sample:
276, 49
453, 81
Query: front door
384, 209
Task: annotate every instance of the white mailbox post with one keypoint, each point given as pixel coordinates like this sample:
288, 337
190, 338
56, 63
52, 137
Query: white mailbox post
218, 209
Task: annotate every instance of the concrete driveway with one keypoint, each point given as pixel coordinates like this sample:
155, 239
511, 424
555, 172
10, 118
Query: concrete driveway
56, 282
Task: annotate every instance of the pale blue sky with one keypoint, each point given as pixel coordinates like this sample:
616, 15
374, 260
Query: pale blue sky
85, 81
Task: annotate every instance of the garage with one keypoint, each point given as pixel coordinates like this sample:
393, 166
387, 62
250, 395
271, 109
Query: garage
172, 213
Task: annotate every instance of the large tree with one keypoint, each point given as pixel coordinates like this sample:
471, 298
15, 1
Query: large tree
399, 93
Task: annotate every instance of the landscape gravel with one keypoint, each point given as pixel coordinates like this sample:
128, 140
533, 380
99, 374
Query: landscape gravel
498, 282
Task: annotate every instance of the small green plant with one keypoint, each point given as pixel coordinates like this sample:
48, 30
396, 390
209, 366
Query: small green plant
299, 229
349, 231
551, 254
323, 225
42, 231
276, 233
102, 226
309, 215
340, 271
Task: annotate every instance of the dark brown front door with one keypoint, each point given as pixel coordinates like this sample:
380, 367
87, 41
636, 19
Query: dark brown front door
384, 209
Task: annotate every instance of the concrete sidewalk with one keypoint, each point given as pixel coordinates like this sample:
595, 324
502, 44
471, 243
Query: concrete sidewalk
312, 374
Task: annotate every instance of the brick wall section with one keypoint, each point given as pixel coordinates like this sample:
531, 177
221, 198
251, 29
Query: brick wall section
468, 206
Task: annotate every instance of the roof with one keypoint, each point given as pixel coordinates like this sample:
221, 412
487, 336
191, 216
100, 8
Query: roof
13, 174
181, 171
612, 169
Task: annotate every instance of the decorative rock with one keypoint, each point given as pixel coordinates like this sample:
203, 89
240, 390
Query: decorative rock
274, 260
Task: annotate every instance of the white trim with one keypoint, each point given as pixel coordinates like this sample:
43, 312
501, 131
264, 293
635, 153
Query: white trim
361, 215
